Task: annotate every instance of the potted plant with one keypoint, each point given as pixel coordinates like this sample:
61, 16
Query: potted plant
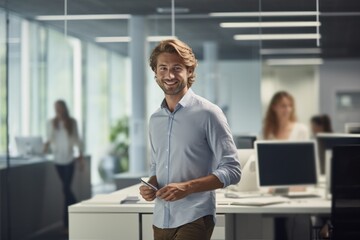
117, 158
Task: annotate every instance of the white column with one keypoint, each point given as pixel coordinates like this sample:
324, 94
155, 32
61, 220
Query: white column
25, 79
211, 71
138, 135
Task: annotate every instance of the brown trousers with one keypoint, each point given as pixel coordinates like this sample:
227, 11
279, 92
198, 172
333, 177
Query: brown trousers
200, 229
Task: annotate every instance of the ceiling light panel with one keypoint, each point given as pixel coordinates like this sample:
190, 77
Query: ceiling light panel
82, 17
268, 24
119, 39
263, 14
294, 61
248, 37
277, 51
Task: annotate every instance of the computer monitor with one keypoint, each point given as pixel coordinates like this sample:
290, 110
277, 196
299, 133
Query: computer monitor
282, 164
327, 141
244, 141
29, 146
352, 128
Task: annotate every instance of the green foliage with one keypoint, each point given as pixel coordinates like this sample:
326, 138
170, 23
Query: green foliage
120, 128
119, 137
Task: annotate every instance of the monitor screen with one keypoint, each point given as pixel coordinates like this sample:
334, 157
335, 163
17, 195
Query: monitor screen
352, 128
327, 141
284, 163
244, 142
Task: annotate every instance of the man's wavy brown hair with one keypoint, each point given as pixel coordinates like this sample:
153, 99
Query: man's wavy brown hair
182, 50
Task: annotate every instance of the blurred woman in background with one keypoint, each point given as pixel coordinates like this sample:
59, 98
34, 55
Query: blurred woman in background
62, 137
280, 120
280, 123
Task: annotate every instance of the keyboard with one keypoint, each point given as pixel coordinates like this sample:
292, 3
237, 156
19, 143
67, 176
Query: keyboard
245, 194
261, 201
302, 195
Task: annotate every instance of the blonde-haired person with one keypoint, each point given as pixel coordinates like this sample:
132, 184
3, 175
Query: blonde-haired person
280, 121
192, 150
63, 136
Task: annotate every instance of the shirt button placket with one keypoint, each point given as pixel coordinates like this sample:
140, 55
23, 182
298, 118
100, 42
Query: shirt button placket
167, 214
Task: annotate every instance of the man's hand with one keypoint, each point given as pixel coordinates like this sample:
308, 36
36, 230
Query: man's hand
147, 193
174, 191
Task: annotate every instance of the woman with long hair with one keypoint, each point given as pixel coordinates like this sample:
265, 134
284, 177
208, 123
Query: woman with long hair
280, 120
280, 123
63, 136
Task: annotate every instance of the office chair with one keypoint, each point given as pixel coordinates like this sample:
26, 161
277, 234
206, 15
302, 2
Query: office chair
345, 187
244, 141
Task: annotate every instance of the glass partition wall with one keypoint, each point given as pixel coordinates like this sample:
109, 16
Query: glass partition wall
84, 59
291, 55
83, 52
3, 90
311, 50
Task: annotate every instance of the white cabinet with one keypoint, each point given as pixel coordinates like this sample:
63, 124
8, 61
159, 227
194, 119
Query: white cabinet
104, 226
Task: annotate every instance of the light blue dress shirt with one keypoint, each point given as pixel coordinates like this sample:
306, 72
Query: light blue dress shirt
191, 142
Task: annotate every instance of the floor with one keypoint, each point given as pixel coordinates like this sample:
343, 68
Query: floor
54, 234
58, 233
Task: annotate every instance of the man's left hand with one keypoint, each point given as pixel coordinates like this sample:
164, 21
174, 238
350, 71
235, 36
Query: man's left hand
173, 191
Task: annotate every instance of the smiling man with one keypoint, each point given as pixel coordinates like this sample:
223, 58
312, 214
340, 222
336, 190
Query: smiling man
192, 150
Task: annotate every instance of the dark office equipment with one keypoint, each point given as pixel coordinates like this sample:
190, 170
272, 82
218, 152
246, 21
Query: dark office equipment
327, 141
284, 164
244, 142
345, 184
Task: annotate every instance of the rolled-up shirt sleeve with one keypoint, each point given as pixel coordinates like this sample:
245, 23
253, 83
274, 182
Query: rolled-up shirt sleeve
226, 166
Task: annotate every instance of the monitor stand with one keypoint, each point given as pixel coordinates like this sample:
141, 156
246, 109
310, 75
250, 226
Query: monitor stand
285, 192
281, 191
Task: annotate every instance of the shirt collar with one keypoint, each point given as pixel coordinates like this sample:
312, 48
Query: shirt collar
185, 100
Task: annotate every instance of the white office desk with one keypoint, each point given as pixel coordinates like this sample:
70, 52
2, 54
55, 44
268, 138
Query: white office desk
103, 217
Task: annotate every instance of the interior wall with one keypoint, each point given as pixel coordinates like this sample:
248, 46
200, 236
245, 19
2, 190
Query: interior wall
238, 90
337, 76
302, 82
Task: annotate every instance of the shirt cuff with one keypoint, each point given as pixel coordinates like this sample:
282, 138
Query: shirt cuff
152, 172
220, 174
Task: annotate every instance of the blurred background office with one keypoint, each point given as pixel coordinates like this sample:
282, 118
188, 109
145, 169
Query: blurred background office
93, 54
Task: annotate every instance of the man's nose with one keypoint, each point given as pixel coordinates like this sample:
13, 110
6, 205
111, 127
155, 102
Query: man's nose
171, 74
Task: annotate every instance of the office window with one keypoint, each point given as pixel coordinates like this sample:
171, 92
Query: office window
38, 36
59, 71
18, 84
2, 82
97, 106
119, 101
